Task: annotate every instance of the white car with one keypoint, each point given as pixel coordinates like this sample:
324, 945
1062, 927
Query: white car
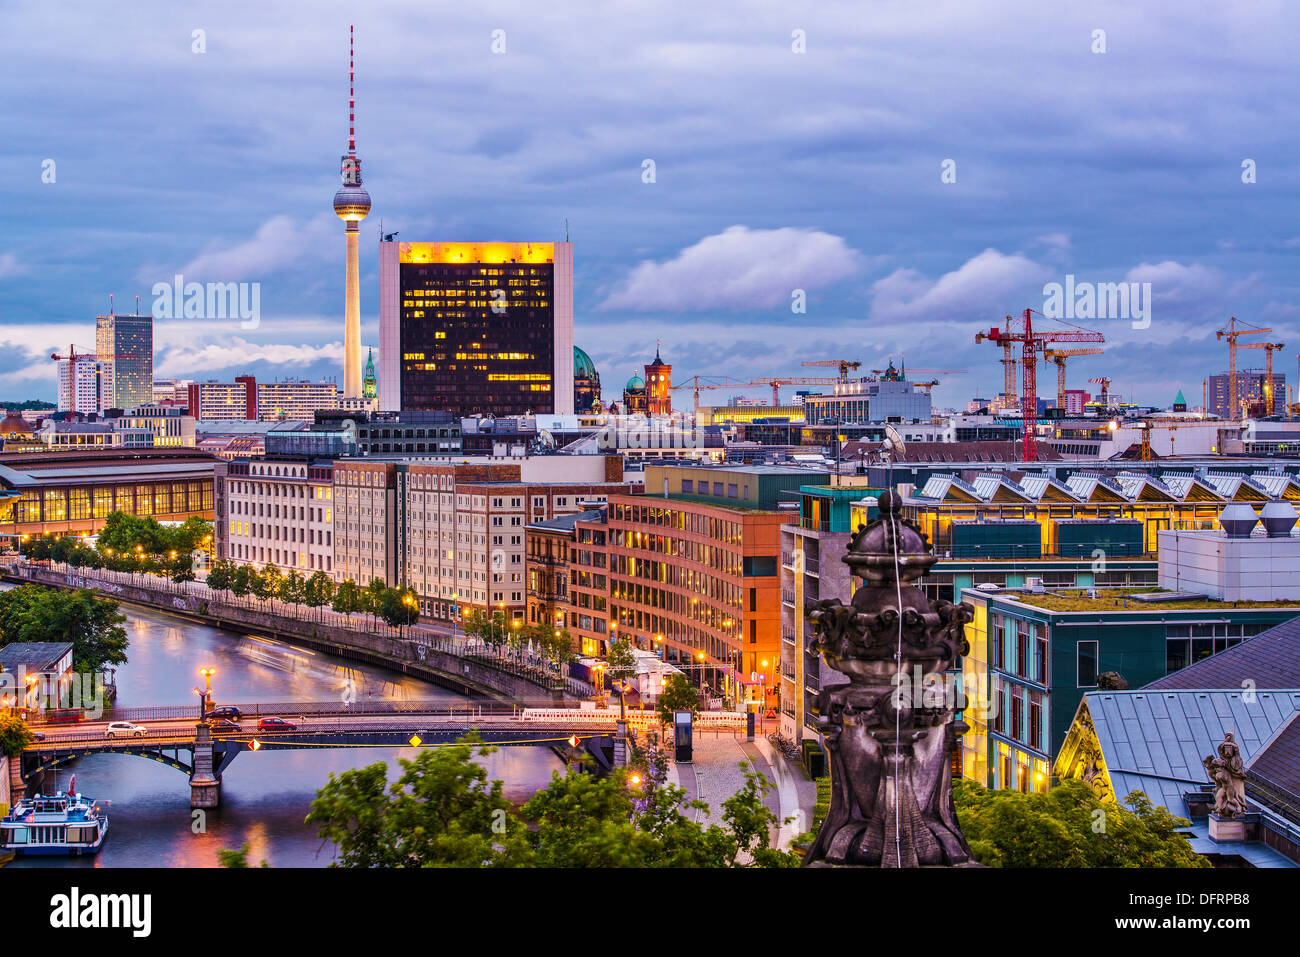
125, 729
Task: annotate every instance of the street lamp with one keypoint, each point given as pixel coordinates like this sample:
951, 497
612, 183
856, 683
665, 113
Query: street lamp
206, 674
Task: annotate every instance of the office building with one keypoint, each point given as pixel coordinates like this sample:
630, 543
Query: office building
887, 397
124, 347
476, 328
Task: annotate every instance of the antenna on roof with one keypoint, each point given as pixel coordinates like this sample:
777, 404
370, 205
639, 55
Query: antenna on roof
566, 229
110, 303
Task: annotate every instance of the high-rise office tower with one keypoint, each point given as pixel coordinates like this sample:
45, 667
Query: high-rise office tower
124, 348
476, 327
351, 204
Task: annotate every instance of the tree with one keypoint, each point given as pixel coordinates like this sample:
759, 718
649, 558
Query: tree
291, 588
14, 735
242, 580
1069, 827
399, 606
441, 812
372, 597
239, 858
318, 590
92, 624
678, 695
347, 598
220, 575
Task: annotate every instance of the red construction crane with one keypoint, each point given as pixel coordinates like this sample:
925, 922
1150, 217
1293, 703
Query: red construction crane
72, 358
1021, 330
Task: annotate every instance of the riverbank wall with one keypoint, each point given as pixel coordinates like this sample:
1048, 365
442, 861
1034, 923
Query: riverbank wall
428, 660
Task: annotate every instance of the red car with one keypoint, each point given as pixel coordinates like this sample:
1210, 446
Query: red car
275, 724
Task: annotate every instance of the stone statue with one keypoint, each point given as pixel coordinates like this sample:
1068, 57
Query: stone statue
1228, 775
891, 745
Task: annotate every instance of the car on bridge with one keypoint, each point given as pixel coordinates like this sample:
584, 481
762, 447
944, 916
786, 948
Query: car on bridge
275, 724
228, 711
224, 726
123, 729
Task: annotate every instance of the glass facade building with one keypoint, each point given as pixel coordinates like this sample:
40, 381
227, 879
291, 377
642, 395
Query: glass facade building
476, 328
124, 345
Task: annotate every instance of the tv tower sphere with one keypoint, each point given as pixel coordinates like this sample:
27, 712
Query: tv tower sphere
351, 204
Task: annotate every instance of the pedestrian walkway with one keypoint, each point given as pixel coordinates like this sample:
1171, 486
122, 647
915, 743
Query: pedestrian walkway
715, 775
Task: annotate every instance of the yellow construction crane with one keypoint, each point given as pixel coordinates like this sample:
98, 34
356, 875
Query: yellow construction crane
1010, 391
1231, 334
844, 365
1269, 348
1059, 356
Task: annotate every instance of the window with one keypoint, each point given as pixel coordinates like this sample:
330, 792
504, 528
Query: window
688, 486
1087, 653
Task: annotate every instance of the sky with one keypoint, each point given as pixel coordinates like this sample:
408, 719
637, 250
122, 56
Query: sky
918, 170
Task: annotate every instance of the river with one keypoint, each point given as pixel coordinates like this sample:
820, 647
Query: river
265, 795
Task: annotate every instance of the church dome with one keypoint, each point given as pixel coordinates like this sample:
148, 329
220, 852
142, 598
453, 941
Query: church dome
583, 367
635, 384
15, 424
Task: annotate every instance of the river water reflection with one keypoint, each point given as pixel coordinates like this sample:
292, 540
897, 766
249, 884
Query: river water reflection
265, 796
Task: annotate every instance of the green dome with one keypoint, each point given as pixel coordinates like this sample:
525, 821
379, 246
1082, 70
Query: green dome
583, 367
635, 384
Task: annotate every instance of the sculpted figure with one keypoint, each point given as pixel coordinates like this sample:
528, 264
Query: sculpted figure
1228, 775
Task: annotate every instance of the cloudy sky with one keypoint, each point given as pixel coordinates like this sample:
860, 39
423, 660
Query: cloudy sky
774, 171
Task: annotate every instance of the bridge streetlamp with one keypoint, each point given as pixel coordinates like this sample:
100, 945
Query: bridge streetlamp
206, 674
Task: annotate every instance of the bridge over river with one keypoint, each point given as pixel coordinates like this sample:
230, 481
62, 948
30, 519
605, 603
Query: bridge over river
176, 737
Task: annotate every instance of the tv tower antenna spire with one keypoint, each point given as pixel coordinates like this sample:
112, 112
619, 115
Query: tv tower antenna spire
352, 98
351, 204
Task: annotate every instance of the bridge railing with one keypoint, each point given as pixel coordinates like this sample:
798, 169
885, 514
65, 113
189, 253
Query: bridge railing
361, 706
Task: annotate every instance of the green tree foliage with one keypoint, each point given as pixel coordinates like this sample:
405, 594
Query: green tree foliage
123, 533
399, 606
14, 735
1069, 827
678, 695
442, 812
347, 598
239, 858
93, 625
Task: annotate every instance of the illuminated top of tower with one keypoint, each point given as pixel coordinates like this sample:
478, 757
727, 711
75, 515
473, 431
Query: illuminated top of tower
351, 202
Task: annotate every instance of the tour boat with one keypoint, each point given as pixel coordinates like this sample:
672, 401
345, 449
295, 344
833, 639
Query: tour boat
62, 823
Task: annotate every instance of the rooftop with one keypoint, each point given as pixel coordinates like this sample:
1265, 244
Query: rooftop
32, 656
1123, 599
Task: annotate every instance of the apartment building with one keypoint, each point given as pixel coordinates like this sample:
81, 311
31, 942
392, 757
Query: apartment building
277, 512
365, 521
461, 525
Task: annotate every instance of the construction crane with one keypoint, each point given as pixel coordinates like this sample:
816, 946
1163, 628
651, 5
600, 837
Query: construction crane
697, 383
71, 358
844, 365
1104, 382
1009, 388
1232, 333
1059, 356
1021, 330
1269, 348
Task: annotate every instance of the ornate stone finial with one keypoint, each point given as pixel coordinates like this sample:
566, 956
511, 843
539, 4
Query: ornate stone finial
1228, 775
891, 730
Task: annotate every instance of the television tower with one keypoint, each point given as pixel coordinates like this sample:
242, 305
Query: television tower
351, 204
